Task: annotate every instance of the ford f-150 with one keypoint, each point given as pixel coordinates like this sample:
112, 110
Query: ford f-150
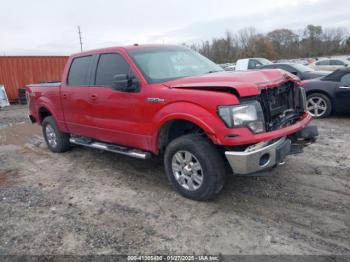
169, 101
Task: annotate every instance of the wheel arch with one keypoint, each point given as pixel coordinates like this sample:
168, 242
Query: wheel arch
323, 92
175, 127
43, 112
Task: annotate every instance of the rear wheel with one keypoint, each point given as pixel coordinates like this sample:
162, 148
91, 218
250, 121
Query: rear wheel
319, 105
194, 167
56, 140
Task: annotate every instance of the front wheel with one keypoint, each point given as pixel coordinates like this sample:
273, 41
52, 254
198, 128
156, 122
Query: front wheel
319, 105
194, 167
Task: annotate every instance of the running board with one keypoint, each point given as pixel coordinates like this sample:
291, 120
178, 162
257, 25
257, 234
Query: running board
111, 148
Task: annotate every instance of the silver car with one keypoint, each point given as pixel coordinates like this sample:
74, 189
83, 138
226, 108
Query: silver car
330, 64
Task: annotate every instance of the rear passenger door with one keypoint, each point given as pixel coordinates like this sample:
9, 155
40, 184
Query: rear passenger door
116, 115
74, 96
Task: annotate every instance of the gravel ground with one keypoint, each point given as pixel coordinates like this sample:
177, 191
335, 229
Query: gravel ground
92, 202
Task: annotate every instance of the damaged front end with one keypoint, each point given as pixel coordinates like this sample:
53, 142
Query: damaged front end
282, 106
269, 154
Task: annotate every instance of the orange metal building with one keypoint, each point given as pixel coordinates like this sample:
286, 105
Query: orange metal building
18, 71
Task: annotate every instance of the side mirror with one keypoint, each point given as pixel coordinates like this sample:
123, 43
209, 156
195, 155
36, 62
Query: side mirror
122, 82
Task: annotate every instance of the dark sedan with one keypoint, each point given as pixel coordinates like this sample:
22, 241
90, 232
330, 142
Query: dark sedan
328, 94
303, 72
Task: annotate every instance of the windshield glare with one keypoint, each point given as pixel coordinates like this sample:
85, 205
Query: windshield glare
163, 64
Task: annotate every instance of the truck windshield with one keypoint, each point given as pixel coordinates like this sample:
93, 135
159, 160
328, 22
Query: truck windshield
167, 63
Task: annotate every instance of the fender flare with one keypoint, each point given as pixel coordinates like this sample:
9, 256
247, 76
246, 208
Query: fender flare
48, 105
193, 113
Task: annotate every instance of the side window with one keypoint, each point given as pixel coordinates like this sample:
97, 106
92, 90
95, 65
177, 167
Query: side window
79, 71
287, 68
337, 62
345, 80
108, 66
253, 64
323, 62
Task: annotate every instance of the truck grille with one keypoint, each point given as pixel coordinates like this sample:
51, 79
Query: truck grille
283, 105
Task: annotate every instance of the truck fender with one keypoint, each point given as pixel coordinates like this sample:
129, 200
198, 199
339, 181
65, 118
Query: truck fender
184, 111
48, 105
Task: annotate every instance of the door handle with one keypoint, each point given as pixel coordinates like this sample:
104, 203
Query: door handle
344, 87
65, 96
93, 97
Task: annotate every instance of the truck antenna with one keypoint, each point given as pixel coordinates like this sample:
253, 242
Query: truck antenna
80, 39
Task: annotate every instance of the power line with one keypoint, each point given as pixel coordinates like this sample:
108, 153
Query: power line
80, 39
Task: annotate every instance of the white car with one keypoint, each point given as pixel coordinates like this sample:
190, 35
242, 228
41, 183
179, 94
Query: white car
251, 63
329, 64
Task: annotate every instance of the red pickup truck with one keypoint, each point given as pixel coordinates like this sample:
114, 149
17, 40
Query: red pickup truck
169, 101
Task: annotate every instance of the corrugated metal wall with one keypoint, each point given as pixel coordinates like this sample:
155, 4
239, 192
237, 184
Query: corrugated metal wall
18, 71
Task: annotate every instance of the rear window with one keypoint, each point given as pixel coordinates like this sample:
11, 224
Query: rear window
79, 71
337, 62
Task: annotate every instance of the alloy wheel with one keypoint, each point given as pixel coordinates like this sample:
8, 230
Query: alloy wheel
51, 136
187, 170
316, 106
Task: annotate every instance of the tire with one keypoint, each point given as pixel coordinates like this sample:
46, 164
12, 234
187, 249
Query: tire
195, 149
319, 105
56, 141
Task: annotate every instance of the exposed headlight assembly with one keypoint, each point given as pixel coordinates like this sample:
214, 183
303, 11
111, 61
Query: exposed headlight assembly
247, 114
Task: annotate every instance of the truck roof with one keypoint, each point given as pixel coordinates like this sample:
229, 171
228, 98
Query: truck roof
127, 48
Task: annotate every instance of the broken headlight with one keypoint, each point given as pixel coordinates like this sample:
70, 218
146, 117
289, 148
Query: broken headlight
247, 114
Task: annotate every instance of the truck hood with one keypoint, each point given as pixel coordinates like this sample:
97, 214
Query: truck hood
247, 83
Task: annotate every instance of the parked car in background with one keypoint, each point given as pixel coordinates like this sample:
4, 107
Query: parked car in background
231, 67
329, 64
328, 94
251, 63
224, 65
303, 72
228, 66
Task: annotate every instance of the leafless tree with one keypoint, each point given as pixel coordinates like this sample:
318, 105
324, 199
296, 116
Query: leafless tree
312, 41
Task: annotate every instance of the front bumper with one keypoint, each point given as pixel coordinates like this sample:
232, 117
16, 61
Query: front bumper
268, 154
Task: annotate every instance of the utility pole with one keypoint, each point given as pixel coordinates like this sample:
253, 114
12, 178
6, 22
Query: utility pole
80, 38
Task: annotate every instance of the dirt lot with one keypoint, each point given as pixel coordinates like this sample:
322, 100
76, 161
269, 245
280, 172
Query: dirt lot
92, 202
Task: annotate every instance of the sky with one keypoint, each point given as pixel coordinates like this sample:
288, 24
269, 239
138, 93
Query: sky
49, 27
